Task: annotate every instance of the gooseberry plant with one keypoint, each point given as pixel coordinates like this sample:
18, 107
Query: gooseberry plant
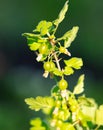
64, 109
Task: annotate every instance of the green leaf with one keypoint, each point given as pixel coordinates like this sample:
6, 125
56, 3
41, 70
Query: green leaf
37, 124
88, 108
40, 103
69, 36
68, 70
31, 35
34, 46
83, 119
61, 15
67, 126
44, 27
89, 113
87, 101
79, 88
57, 72
99, 115
33, 38
38, 128
74, 62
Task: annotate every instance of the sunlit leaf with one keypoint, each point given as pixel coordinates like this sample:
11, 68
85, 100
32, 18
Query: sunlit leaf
31, 35
40, 103
38, 128
34, 46
69, 36
34, 41
67, 126
36, 122
83, 119
88, 108
74, 62
31, 40
99, 116
87, 101
89, 112
57, 72
68, 70
44, 27
79, 88
61, 15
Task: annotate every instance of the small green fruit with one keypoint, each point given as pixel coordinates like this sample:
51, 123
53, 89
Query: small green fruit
49, 66
63, 84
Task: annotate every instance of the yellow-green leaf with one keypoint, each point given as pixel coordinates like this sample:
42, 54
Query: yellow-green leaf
40, 103
99, 116
34, 46
87, 101
37, 124
31, 35
74, 62
68, 70
79, 88
43, 27
69, 36
38, 128
88, 112
57, 72
61, 15
67, 126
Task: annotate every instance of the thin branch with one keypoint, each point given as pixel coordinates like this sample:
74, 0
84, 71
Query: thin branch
97, 127
52, 41
76, 122
57, 61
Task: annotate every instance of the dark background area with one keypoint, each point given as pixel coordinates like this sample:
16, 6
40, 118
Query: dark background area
21, 76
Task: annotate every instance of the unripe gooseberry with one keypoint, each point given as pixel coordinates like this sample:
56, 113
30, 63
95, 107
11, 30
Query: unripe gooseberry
52, 65
49, 66
63, 84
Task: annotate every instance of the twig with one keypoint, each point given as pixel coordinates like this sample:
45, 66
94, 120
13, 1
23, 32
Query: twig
57, 61
52, 41
97, 127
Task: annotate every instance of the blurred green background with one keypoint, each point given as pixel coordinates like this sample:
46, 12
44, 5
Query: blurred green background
21, 76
